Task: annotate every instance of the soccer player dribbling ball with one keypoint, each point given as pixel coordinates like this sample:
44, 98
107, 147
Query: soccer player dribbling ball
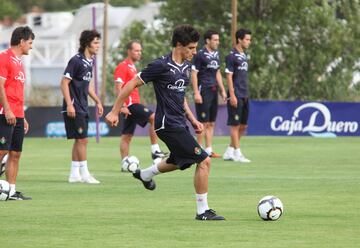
170, 76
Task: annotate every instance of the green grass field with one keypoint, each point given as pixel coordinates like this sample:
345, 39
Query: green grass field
318, 180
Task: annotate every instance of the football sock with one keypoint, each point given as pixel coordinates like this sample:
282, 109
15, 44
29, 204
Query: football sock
12, 189
201, 203
237, 152
75, 169
230, 150
155, 148
208, 150
148, 173
84, 171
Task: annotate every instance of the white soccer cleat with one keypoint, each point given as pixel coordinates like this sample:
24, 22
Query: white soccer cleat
75, 179
228, 156
90, 179
241, 159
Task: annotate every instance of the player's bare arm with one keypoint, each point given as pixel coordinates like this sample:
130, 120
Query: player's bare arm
26, 126
233, 99
125, 110
66, 93
194, 79
9, 115
96, 99
112, 118
221, 85
198, 126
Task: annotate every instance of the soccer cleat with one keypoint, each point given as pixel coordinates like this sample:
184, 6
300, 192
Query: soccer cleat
75, 179
150, 185
241, 159
90, 180
158, 154
215, 155
209, 215
228, 157
18, 196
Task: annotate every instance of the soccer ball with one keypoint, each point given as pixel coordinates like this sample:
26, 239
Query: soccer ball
270, 208
4, 190
130, 164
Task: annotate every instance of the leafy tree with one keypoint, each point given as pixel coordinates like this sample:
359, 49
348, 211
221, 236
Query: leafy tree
301, 50
8, 8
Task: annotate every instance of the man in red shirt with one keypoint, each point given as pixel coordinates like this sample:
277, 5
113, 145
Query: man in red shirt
13, 125
133, 112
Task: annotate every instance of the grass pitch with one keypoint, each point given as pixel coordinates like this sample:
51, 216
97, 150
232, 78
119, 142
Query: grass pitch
318, 181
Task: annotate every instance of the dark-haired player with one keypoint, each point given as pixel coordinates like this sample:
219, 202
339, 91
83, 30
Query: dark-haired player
75, 86
13, 125
170, 76
206, 79
238, 105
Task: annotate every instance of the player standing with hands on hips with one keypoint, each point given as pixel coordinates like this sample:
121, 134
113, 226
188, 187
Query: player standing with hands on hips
238, 94
75, 86
170, 75
13, 125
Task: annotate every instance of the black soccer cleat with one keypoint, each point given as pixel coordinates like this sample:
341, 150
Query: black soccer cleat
18, 196
209, 215
150, 185
158, 154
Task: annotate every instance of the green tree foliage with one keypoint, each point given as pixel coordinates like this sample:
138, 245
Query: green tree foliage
8, 8
62, 5
301, 50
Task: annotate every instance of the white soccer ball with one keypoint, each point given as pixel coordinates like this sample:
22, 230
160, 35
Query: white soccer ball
4, 190
270, 208
130, 164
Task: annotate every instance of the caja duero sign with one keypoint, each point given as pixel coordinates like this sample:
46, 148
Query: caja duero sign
318, 119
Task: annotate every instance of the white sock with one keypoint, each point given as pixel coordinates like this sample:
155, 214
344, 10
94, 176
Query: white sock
155, 148
237, 152
201, 203
84, 171
208, 150
148, 173
12, 189
75, 169
230, 150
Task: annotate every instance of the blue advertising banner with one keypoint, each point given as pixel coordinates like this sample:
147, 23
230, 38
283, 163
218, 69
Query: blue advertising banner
317, 119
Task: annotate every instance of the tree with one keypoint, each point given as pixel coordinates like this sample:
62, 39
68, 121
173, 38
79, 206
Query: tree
8, 8
301, 50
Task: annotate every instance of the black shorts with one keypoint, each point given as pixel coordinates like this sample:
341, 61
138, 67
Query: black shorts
207, 111
11, 137
184, 150
240, 114
76, 128
140, 115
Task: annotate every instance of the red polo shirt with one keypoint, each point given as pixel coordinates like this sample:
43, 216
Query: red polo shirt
124, 72
11, 69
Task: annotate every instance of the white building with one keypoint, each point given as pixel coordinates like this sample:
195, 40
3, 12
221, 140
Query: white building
57, 35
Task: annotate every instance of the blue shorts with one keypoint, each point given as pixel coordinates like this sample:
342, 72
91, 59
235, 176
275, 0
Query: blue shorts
76, 128
240, 114
207, 110
184, 150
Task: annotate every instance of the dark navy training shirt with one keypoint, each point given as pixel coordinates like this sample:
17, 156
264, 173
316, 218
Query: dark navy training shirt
207, 64
79, 70
170, 81
236, 63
